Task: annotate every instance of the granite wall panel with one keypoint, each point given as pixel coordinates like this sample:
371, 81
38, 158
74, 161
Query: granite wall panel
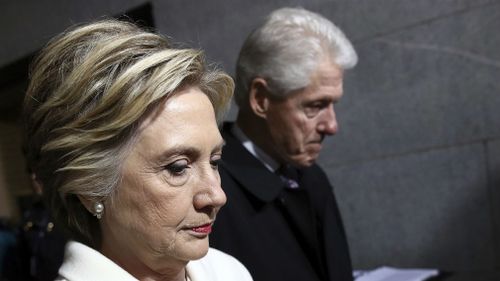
493, 155
25, 25
428, 209
220, 26
433, 85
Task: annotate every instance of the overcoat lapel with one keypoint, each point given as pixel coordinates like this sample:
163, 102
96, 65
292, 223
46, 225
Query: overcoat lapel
248, 170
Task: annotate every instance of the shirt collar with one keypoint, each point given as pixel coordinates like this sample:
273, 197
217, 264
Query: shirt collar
263, 157
84, 263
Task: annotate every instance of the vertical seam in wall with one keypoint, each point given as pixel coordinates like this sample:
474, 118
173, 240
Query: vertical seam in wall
494, 210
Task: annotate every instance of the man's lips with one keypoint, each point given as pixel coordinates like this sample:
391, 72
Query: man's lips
317, 140
316, 144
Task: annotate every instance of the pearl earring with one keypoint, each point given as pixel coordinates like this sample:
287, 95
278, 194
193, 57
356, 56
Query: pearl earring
98, 209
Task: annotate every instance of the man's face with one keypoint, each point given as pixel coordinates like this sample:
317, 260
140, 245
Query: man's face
299, 123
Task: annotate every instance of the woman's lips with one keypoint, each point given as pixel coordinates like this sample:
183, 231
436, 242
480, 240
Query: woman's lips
203, 229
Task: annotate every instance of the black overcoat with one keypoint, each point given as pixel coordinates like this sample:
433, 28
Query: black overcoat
276, 236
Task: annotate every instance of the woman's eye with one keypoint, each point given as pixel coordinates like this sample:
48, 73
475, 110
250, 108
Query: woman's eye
215, 161
177, 168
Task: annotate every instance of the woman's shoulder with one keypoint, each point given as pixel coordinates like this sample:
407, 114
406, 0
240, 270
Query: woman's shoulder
84, 263
217, 265
219, 257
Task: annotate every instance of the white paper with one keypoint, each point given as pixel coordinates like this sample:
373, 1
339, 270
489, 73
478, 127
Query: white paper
396, 274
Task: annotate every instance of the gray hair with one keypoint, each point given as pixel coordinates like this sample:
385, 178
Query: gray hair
287, 48
89, 89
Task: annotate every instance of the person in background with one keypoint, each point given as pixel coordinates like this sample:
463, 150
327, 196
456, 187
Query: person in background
282, 219
7, 245
39, 244
120, 131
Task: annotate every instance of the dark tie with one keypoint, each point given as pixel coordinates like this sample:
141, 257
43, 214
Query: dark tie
296, 205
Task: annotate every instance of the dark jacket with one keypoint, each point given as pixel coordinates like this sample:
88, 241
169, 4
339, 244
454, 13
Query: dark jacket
278, 233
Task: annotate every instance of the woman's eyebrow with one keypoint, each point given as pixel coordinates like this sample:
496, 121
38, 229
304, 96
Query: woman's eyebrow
219, 146
190, 151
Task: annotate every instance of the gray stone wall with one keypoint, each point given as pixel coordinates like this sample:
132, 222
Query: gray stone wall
416, 164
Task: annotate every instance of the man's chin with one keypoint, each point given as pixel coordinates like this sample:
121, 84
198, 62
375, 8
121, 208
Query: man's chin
303, 162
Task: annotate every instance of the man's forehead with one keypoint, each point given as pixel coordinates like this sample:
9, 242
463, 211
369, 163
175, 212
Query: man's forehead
327, 72
318, 94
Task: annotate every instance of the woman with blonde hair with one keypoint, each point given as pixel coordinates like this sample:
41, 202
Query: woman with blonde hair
121, 132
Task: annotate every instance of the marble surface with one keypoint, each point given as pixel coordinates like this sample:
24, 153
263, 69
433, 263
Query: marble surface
418, 89
492, 150
418, 210
25, 26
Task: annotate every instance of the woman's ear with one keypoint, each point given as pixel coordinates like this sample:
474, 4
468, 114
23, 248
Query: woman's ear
259, 97
96, 208
88, 204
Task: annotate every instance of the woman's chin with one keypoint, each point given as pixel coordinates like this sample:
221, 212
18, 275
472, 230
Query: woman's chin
196, 250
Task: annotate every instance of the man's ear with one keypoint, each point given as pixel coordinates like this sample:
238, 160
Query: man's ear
259, 97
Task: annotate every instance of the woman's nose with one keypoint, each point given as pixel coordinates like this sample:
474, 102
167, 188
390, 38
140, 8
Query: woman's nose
211, 193
217, 195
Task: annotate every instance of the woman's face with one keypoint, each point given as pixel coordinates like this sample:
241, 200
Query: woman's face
166, 203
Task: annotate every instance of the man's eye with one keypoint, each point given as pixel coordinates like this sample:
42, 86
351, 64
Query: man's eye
312, 110
177, 168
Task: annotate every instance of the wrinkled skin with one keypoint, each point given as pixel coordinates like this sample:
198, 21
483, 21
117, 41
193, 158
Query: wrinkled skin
298, 124
170, 186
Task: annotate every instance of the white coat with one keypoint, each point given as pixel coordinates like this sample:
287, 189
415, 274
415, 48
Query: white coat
82, 263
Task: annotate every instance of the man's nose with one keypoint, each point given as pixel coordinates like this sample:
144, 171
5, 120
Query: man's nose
328, 121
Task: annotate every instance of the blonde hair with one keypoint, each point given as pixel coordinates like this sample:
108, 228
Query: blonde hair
89, 89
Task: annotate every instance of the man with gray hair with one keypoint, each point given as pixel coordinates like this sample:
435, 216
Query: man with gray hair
281, 219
